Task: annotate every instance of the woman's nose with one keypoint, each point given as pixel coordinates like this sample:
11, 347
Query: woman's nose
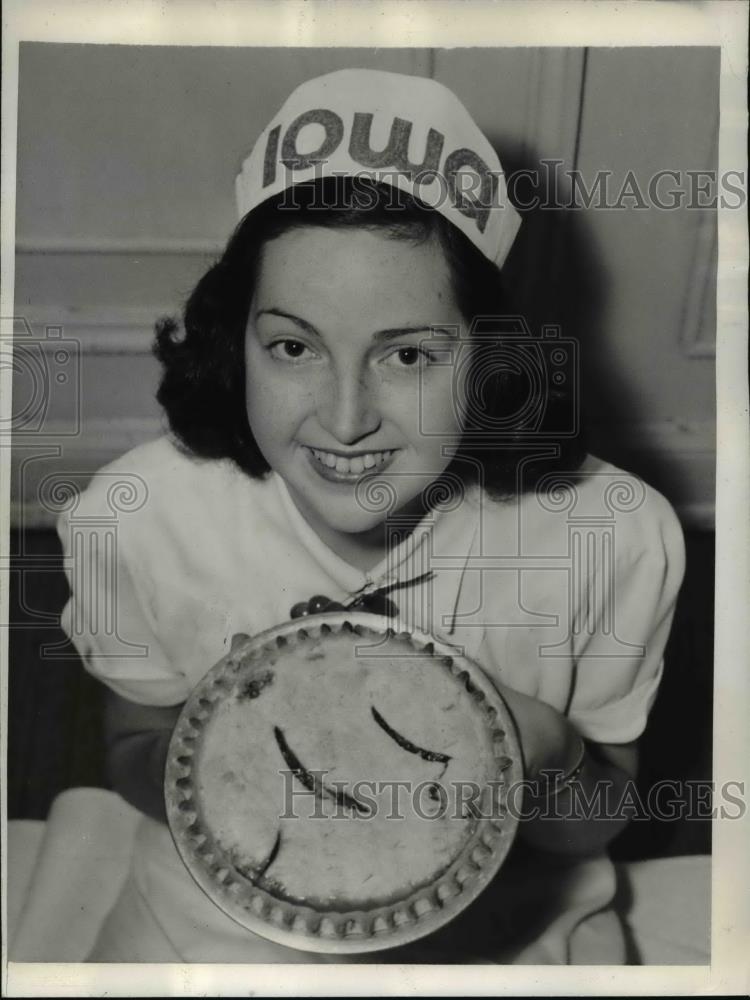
348, 408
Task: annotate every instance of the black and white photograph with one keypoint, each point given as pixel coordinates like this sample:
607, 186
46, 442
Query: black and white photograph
370, 591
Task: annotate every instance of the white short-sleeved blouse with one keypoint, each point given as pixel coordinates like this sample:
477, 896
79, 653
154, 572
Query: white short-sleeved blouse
566, 594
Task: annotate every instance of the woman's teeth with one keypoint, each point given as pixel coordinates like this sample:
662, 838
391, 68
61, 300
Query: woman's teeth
353, 466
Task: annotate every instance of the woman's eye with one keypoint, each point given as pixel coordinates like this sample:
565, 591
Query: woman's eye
290, 350
408, 357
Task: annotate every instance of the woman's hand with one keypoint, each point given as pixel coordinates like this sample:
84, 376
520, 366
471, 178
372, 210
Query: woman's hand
137, 740
548, 741
576, 820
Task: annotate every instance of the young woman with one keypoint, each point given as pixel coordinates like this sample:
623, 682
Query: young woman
349, 402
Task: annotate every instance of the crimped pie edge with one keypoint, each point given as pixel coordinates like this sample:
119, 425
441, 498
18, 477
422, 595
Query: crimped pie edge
346, 931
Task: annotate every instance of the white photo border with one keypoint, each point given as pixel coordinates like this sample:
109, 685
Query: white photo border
453, 23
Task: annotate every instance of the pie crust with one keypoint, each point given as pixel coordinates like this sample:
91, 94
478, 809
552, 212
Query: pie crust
282, 787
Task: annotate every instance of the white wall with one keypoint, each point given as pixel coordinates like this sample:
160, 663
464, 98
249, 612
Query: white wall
126, 162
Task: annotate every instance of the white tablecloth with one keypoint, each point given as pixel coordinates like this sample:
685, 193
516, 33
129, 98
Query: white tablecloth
65, 875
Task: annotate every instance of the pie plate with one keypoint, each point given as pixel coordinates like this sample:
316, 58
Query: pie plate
336, 786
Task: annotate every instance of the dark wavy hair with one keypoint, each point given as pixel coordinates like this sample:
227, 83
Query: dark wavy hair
518, 424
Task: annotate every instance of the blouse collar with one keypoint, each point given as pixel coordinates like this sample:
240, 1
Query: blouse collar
440, 546
352, 578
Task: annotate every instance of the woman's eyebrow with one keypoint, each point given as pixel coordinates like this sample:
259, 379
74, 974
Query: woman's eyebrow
307, 327
448, 332
381, 336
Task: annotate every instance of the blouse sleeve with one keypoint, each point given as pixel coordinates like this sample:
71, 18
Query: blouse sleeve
618, 656
107, 616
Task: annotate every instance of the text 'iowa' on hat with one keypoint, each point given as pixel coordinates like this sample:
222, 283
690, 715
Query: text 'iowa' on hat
408, 131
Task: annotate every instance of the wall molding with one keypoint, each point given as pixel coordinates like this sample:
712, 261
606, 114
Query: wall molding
552, 113
698, 316
136, 246
96, 331
554, 87
113, 437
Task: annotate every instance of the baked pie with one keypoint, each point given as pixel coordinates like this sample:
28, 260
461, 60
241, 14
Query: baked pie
339, 787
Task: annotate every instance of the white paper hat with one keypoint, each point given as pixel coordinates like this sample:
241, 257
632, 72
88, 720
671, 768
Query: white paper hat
407, 131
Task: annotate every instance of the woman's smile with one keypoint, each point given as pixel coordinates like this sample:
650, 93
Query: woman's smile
335, 467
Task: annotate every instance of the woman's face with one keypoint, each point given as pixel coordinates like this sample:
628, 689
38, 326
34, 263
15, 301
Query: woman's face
342, 390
